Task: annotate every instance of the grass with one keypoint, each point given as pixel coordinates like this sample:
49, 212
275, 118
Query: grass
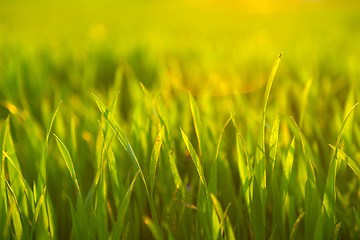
176, 140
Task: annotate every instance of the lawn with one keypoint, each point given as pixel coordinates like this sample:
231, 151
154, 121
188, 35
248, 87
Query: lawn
179, 120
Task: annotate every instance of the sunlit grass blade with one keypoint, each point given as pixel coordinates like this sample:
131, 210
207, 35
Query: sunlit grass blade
119, 133
3, 200
153, 228
280, 195
42, 165
68, 161
313, 209
118, 226
274, 139
214, 169
39, 205
257, 216
197, 121
351, 163
195, 158
270, 81
329, 199
260, 162
288, 167
295, 226
176, 176
14, 210
154, 158
222, 215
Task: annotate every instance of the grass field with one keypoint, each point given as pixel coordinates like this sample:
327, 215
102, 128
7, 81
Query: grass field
179, 120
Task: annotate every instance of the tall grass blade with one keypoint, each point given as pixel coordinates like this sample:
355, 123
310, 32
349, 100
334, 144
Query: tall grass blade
351, 163
257, 216
119, 224
155, 158
42, 166
260, 163
197, 122
120, 134
15, 212
329, 199
313, 210
274, 139
214, 169
288, 168
295, 226
68, 161
270, 81
195, 158
153, 228
3, 200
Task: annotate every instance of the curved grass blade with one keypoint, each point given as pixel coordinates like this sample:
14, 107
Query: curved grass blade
153, 228
270, 81
351, 163
260, 165
274, 139
313, 210
120, 134
3, 200
118, 226
42, 166
15, 212
329, 199
195, 158
154, 158
68, 161
295, 226
197, 122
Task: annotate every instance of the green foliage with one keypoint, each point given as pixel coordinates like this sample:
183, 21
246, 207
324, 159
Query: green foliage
225, 146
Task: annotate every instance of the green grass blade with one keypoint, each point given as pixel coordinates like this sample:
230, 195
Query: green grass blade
68, 161
3, 200
214, 168
15, 212
350, 162
313, 210
257, 216
118, 226
42, 166
344, 124
38, 207
197, 122
260, 164
270, 81
176, 176
274, 139
295, 226
288, 168
195, 158
154, 158
153, 228
329, 199
120, 134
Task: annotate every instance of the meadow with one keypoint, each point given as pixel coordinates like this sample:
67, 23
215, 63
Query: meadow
179, 120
